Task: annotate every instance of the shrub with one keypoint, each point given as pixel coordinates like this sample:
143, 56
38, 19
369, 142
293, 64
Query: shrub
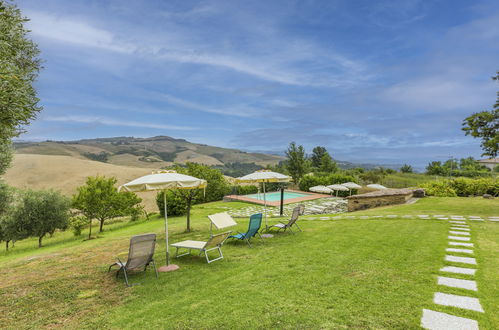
77, 223
244, 190
439, 189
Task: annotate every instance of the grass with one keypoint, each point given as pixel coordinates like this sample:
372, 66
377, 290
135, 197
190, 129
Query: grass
335, 274
404, 180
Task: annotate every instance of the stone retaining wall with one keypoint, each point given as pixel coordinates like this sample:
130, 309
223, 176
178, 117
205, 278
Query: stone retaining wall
378, 198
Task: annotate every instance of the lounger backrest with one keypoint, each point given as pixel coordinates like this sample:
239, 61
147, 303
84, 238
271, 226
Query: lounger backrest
217, 240
222, 220
254, 225
302, 209
294, 216
141, 250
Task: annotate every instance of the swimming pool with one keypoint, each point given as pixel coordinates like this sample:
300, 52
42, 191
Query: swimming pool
276, 196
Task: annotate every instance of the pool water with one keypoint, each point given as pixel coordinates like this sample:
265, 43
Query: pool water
276, 196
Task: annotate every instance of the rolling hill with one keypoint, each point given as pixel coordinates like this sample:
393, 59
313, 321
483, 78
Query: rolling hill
154, 152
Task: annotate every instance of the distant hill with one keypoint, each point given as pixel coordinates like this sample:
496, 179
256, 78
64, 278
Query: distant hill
66, 173
154, 152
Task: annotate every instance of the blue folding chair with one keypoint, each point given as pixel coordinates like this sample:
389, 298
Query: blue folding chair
254, 226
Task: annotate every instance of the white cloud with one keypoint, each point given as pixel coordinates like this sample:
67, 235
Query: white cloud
114, 122
279, 64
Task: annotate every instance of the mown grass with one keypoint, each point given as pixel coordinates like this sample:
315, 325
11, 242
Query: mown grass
335, 274
404, 180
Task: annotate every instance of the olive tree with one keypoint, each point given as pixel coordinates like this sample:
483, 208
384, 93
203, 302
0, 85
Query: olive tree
42, 212
19, 68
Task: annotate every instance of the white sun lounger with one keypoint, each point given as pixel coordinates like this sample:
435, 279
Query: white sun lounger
214, 243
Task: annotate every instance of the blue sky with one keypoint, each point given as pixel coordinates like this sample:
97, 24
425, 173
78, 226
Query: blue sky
373, 81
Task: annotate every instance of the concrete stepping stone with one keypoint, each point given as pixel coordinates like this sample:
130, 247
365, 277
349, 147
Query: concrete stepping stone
463, 233
477, 220
474, 217
453, 300
457, 283
458, 270
458, 221
461, 244
442, 321
464, 260
407, 216
460, 228
438, 215
459, 250
495, 220
459, 238
392, 216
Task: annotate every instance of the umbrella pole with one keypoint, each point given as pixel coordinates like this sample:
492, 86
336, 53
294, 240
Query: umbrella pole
169, 267
166, 230
265, 206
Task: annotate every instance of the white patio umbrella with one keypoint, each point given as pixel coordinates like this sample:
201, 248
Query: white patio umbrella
337, 187
163, 181
321, 189
351, 185
376, 186
264, 176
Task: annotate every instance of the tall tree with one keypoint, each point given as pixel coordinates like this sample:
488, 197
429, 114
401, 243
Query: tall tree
317, 155
485, 125
296, 163
19, 68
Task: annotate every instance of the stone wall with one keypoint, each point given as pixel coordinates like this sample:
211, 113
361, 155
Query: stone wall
378, 198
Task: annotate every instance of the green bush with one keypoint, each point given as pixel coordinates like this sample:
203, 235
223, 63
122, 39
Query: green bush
462, 187
439, 189
77, 223
244, 190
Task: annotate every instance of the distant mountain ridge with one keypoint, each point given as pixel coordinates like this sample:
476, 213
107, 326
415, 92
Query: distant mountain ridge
160, 151
153, 152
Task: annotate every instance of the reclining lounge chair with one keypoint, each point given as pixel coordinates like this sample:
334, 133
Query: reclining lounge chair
140, 254
291, 222
214, 243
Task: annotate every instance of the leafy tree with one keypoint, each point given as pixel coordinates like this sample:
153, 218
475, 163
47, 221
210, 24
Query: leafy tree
19, 68
485, 125
99, 199
406, 168
317, 155
5, 155
296, 162
42, 212
435, 168
327, 164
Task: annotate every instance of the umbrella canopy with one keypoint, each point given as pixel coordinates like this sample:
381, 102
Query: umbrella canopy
321, 189
338, 187
351, 185
376, 186
162, 181
263, 176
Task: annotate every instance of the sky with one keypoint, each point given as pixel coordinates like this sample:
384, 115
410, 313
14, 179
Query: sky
372, 81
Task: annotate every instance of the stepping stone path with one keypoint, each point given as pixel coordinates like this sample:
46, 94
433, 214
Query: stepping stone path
437, 320
459, 238
442, 321
459, 250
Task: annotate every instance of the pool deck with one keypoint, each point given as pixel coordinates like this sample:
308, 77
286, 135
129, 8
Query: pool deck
310, 196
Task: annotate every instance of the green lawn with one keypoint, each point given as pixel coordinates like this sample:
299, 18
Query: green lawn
335, 274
